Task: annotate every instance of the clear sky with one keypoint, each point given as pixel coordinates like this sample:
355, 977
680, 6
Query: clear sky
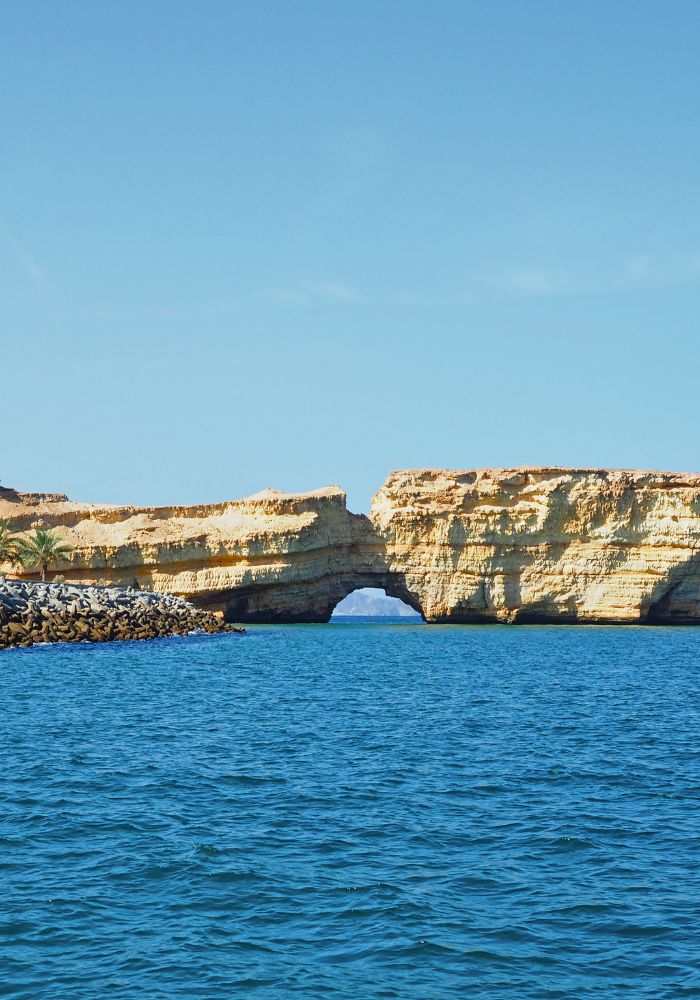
273, 243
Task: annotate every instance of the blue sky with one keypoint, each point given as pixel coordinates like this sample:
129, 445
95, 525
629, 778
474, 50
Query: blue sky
250, 244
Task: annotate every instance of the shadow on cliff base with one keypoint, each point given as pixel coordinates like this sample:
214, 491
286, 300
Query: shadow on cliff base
311, 603
676, 600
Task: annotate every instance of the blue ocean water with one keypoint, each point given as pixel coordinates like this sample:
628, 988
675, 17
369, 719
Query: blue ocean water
353, 810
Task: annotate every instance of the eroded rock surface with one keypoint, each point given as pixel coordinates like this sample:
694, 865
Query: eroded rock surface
271, 557
527, 544
544, 545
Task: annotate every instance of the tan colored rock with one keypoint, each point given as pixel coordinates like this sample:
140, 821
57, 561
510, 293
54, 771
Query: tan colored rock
527, 544
274, 555
543, 544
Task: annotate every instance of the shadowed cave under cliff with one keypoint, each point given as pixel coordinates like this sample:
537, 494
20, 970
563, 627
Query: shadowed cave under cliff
315, 602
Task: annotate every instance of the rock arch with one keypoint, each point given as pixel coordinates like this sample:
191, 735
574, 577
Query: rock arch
312, 601
508, 545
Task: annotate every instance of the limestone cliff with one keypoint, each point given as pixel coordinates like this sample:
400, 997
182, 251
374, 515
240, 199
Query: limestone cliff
543, 544
527, 544
272, 556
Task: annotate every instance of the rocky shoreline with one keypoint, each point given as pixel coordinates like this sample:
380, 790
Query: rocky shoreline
32, 613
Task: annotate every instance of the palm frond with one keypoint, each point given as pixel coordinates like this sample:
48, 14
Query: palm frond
43, 546
8, 547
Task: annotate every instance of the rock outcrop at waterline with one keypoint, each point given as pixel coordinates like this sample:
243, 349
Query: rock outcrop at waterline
494, 545
32, 613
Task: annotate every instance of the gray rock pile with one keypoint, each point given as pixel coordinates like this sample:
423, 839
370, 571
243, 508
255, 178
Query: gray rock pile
33, 613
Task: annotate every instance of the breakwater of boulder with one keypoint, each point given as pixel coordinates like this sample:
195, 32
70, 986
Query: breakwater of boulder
32, 613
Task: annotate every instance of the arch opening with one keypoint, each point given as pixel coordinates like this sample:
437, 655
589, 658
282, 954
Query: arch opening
373, 602
315, 601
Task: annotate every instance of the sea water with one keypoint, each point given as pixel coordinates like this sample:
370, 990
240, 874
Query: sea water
361, 810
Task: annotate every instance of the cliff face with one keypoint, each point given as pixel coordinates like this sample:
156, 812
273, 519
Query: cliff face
273, 557
544, 545
529, 545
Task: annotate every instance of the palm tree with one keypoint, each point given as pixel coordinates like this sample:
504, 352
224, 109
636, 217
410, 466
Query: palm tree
41, 549
8, 548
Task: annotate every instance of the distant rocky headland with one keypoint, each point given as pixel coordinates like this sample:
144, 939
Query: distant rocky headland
533, 544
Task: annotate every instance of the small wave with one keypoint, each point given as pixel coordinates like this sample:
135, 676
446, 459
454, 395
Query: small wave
15, 928
204, 848
642, 930
572, 844
250, 779
246, 875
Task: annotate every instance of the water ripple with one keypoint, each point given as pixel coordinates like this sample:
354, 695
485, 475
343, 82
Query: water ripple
369, 811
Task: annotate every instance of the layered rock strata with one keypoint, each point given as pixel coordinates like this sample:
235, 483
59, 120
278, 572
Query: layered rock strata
270, 557
531, 544
32, 613
543, 544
